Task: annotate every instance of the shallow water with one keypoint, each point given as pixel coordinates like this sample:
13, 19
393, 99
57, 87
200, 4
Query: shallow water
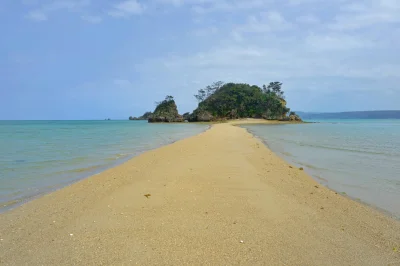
360, 158
40, 156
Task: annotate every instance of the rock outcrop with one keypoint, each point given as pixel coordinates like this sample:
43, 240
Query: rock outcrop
294, 118
200, 115
166, 111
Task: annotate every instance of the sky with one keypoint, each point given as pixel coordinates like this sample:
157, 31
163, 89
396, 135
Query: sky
86, 59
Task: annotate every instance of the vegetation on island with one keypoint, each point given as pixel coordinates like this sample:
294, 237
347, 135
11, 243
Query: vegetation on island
221, 101
238, 100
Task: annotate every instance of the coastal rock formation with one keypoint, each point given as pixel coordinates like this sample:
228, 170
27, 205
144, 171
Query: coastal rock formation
200, 115
291, 118
294, 117
166, 111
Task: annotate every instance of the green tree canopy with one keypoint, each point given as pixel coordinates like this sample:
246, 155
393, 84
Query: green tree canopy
239, 100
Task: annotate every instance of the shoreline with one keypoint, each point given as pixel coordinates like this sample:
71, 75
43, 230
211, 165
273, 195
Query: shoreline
320, 180
219, 197
15, 203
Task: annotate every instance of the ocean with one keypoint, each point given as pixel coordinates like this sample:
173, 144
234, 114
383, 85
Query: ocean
40, 156
358, 158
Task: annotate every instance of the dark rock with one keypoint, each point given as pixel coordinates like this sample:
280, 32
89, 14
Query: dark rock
200, 115
204, 117
291, 118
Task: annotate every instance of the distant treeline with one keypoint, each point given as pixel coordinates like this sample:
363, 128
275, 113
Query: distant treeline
390, 114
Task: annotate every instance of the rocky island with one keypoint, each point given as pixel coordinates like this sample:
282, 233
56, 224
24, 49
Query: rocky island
166, 111
225, 101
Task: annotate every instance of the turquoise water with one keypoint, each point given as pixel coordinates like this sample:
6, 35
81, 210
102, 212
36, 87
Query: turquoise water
40, 156
360, 158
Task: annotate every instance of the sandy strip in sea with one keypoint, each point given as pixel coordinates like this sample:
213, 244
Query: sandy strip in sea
218, 198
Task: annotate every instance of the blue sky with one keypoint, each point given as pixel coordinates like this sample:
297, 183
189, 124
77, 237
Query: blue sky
86, 59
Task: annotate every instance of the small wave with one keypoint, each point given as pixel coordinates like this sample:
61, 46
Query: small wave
9, 203
313, 167
78, 170
88, 169
122, 155
321, 178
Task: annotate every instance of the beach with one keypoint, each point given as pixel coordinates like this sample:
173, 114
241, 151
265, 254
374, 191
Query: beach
218, 198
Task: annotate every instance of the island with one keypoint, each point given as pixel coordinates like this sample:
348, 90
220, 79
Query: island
226, 101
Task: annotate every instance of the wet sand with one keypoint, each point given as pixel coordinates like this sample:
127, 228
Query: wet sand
218, 198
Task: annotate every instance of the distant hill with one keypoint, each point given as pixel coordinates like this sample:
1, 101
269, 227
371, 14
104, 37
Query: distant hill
390, 114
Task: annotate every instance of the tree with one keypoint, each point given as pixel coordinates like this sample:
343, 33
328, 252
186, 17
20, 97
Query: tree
208, 91
201, 96
214, 87
265, 89
167, 99
276, 87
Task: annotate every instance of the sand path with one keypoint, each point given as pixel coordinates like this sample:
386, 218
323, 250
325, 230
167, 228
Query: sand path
219, 198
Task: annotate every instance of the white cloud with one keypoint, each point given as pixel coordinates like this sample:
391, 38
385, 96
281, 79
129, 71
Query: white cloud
355, 16
264, 22
92, 19
42, 13
268, 45
337, 42
260, 63
126, 8
258, 41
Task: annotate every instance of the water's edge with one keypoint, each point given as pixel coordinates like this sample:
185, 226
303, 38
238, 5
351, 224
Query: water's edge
12, 204
318, 180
